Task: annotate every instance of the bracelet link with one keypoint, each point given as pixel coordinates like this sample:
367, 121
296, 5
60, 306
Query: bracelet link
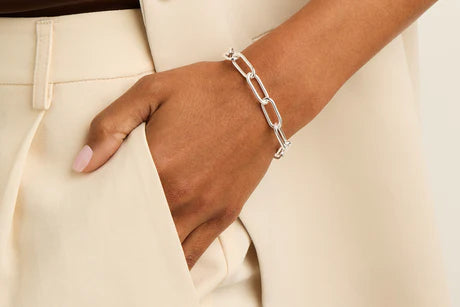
249, 78
233, 56
285, 143
272, 125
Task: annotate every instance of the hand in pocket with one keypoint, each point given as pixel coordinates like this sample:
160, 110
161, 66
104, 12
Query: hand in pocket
208, 138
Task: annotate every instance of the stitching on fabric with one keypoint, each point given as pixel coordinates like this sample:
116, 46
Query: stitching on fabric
37, 62
44, 47
17, 84
85, 80
103, 79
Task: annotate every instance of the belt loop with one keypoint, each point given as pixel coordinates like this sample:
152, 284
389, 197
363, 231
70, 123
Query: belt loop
42, 90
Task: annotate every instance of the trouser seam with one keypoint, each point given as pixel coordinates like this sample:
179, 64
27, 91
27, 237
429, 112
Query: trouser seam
83, 80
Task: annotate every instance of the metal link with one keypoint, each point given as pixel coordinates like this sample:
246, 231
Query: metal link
283, 141
249, 78
279, 123
233, 56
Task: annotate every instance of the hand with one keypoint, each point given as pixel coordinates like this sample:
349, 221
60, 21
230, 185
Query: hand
208, 138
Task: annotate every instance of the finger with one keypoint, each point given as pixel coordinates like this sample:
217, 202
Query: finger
199, 240
185, 224
188, 217
111, 126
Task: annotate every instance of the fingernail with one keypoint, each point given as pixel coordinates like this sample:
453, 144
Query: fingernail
82, 159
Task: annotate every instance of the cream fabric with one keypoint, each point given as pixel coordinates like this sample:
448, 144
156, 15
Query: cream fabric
106, 238
346, 218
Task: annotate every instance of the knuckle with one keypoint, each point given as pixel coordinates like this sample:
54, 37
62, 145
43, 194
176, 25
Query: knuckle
179, 190
177, 195
206, 200
229, 214
149, 83
202, 202
100, 125
145, 80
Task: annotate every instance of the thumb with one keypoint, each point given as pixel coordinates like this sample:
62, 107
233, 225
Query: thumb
112, 125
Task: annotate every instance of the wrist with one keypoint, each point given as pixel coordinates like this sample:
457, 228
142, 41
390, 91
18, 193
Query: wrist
298, 81
298, 101
246, 110
267, 104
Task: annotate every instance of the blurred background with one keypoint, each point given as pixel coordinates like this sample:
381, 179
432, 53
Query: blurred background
439, 42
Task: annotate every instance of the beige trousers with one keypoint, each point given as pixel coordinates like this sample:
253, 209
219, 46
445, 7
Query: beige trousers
345, 220
106, 238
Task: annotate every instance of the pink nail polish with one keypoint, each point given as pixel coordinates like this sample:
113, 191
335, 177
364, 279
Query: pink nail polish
82, 159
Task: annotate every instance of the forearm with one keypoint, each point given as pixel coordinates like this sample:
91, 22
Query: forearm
308, 58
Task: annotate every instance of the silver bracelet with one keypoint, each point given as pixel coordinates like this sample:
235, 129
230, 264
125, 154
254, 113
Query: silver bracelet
233, 56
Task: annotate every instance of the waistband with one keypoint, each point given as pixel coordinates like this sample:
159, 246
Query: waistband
80, 47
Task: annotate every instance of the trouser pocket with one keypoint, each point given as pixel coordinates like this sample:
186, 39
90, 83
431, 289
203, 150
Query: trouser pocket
101, 239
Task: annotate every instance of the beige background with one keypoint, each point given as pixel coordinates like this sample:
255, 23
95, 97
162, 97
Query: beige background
440, 111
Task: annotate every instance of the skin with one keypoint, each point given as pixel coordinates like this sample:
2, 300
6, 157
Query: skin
206, 132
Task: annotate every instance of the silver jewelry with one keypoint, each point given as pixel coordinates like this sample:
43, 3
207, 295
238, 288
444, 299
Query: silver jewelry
233, 56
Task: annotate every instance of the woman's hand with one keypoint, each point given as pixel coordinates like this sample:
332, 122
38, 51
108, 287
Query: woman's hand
208, 138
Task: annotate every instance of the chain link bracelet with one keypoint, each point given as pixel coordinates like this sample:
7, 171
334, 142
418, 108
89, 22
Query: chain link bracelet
233, 56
